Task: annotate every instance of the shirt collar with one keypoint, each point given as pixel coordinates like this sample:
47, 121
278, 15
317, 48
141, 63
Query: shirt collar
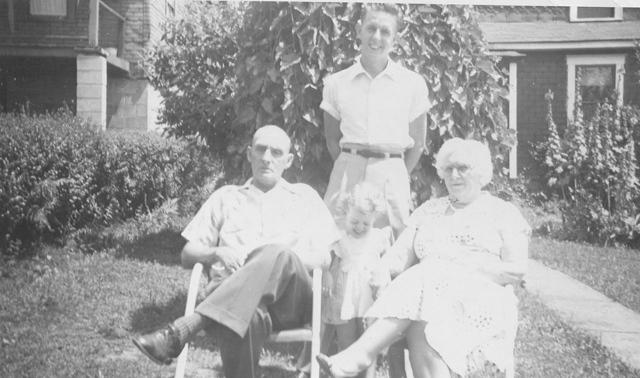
390, 70
282, 184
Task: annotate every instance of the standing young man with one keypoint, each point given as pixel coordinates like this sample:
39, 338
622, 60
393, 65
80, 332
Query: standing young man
375, 125
375, 117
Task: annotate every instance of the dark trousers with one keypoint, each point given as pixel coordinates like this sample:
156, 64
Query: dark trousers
270, 292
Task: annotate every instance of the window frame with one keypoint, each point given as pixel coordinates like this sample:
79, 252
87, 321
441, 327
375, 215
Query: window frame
49, 16
618, 60
573, 15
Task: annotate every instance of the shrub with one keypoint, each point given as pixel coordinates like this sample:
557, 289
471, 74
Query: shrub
57, 175
592, 169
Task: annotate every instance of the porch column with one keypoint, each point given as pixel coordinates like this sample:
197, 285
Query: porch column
91, 90
513, 117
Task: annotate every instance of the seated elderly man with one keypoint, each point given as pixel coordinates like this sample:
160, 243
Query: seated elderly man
267, 234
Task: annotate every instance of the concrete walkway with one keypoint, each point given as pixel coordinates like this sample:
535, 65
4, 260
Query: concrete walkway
614, 325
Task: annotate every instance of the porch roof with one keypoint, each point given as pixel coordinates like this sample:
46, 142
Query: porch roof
546, 35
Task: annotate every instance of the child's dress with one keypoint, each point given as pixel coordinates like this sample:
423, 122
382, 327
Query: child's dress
350, 294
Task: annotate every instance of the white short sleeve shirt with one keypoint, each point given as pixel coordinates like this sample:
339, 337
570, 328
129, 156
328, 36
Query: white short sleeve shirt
375, 111
245, 218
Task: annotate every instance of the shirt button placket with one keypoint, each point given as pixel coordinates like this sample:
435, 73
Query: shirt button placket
370, 103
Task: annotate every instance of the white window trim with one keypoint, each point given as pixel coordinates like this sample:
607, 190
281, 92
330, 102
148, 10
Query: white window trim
513, 117
573, 15
602, 59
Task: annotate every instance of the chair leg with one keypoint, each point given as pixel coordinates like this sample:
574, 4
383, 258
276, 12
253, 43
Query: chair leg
194, 285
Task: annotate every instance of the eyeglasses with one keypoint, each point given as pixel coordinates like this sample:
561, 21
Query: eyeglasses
462, 169
261, 149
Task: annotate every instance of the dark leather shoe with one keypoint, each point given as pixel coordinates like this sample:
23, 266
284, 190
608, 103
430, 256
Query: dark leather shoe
161, 346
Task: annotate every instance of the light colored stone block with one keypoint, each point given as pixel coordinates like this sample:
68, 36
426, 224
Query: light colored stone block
89, 105
91, 63
90, 77
91, 91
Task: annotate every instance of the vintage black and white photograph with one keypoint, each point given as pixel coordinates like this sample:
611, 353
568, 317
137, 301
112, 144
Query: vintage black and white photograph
305, 189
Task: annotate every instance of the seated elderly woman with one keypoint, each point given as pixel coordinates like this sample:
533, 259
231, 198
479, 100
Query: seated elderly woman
455, 303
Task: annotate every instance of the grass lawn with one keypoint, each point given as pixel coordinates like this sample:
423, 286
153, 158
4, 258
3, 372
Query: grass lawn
70, 314
615, 272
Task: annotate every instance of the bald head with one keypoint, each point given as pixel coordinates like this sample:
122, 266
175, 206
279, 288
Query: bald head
269, 156
273, 134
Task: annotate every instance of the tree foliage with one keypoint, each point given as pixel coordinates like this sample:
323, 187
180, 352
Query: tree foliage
227, 69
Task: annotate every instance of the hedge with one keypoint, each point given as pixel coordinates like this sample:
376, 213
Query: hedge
57, 175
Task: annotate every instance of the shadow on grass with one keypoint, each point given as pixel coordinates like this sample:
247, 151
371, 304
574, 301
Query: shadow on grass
162, 247
152, 316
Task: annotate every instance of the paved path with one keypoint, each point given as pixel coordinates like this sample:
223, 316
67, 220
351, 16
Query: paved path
616, 326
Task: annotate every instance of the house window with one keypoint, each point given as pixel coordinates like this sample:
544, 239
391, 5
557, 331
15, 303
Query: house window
597, 77
582, 14
56, 8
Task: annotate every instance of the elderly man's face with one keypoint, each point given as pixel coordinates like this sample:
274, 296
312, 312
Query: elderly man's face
269, 156
377, 34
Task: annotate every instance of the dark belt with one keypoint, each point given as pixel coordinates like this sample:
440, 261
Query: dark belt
371, 154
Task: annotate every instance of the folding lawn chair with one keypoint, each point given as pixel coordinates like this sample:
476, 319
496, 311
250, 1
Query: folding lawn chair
294, 335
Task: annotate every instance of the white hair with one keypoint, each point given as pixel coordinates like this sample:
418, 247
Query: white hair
475, 154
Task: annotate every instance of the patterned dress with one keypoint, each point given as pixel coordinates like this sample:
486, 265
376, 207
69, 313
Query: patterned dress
470, 320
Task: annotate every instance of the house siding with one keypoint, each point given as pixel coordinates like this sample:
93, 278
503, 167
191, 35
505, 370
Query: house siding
521, 14
70, 31
142, 27
632, 80
537, 74
488, 13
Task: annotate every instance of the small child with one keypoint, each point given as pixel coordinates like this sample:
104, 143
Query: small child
353, 279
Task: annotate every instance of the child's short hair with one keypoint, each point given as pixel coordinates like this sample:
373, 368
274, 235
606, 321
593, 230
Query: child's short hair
363, 197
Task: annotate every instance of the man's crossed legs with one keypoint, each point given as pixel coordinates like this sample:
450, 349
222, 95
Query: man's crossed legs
271, 292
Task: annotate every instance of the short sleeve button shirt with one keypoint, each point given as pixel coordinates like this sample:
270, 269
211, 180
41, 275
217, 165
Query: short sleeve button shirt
375, 111
245, 218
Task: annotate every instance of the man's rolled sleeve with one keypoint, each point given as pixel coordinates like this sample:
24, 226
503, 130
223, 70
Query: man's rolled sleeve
329, 101
205, 226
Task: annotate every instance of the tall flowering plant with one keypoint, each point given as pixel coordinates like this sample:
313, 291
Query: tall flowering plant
592, 166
